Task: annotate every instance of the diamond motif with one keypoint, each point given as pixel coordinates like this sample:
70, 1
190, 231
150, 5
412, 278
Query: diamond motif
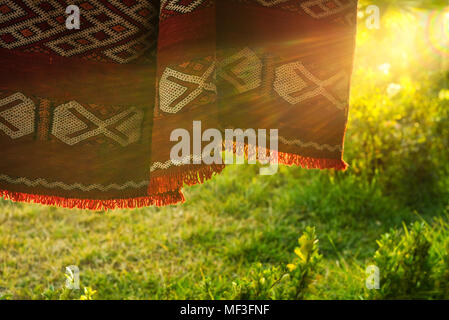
8, 38
46, 6
104, 30
323, 8
73, 124
178, 89
4, 9
17, 115
43, 26
26, 32
118, 28
243, 70
290, 83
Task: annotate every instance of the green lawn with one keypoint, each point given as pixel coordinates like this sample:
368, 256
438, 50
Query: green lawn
197, 250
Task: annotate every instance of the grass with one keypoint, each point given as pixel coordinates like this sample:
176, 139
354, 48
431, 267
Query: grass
166, 253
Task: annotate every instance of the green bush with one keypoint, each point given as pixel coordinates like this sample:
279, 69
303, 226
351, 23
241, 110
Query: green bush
413, 263
287, 283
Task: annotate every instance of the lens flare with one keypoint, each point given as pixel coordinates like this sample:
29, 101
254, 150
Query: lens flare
438, 32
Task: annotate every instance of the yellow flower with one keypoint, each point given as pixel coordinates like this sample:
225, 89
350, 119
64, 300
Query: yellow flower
300, 254
444, 94
305, 249
291, 266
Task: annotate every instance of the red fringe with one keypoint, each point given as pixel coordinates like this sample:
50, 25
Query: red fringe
289, 159
190, 174
187, 174
311, 163
165, 190
157, 200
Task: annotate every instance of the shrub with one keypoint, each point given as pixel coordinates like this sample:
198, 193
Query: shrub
413, 263
290, 282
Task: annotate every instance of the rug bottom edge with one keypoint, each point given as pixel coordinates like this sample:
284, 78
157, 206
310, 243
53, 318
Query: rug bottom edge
159, 200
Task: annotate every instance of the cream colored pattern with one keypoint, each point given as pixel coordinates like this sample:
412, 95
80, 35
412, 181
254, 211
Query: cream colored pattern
270, 3
170, 91
21, 116
61, 185
248, 70
146, 42
84, 33
169, 163
315, 145
325, 10
181, 8
189, 159
66, 123
289, 81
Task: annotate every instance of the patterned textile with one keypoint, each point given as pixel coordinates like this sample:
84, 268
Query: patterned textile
86, 114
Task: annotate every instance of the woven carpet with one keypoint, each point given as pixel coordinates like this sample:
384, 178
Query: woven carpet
87, 115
